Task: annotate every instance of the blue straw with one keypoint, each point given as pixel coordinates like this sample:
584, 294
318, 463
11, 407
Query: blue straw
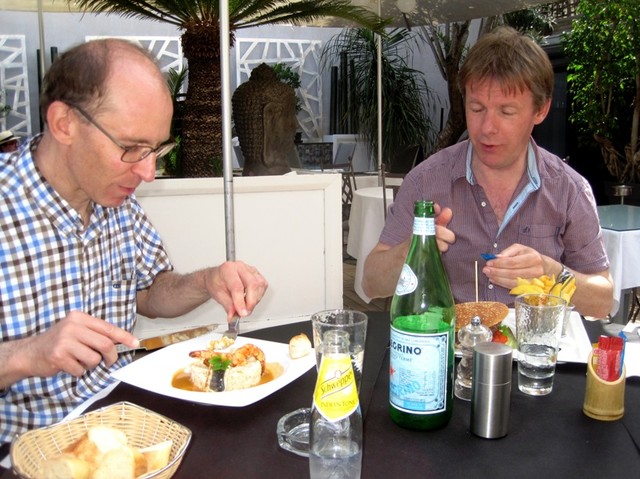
624, 346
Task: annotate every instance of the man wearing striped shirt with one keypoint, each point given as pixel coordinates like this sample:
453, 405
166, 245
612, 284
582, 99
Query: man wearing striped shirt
499, 193
78, 257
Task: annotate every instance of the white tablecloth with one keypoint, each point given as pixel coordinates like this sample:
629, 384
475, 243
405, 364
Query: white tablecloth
622, 242
366, 221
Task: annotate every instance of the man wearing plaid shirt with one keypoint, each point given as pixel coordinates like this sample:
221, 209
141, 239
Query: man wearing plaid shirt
78, 257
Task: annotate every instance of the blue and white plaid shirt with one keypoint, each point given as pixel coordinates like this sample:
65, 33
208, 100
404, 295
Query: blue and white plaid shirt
51, 264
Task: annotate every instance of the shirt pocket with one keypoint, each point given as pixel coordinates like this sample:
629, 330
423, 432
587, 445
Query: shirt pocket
544, 238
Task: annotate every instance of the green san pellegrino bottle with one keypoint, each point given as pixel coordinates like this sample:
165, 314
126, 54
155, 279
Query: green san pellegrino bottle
422, 333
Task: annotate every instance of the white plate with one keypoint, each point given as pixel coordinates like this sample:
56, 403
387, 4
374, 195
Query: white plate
574, 347
155, 371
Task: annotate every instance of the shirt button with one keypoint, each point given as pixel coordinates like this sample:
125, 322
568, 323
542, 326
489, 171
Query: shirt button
495, 245
490, 286
483, 203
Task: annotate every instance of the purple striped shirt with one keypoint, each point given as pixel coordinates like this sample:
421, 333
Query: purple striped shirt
559, 219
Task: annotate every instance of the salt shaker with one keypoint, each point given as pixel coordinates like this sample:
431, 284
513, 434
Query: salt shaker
473, 333
491, 392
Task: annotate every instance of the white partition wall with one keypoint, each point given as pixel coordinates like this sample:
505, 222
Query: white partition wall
289, 227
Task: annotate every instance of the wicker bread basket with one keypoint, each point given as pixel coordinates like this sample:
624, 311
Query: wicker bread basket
142, 427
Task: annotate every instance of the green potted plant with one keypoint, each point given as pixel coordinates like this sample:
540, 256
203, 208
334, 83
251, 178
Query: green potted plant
406, 97
604, 80
4, 108
199, 22
287, 75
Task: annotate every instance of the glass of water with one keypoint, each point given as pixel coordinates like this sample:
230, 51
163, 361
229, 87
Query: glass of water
539, 319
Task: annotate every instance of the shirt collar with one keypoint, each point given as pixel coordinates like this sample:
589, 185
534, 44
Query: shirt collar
49, 201
532, 184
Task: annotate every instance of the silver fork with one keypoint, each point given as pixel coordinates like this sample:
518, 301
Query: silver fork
232, 331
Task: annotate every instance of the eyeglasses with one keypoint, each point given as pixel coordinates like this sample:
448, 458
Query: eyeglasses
135, 153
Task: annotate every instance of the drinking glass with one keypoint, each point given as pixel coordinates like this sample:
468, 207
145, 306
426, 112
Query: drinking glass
539, 319
293, 428
567, 318
354, 323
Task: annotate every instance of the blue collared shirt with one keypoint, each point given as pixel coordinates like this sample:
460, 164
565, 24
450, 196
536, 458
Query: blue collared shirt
532, 185
51, 264
554, 212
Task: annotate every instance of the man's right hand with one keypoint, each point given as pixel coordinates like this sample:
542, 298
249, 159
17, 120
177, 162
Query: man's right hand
74, 345
444, 236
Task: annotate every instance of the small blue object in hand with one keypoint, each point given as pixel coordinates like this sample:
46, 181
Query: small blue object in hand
488, 256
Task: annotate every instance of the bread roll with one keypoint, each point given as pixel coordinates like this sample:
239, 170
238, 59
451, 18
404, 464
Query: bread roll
140, 463
119, 463
66, 466
299, 346
107, 438
491, 313
103, 453
157, 456
97, 441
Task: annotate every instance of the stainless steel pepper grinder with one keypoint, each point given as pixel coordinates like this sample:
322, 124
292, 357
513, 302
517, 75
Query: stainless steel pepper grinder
491, 390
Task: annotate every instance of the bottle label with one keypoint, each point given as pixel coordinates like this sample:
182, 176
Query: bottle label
408, 281
418, 372
424, 226
336, 395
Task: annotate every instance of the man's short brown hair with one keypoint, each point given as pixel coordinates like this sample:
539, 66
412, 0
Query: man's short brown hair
79, 76
514, 60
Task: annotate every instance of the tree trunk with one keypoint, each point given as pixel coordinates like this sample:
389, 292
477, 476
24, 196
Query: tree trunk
202, 123
456, 124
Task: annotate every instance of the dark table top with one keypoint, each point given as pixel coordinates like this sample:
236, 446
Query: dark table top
548, 436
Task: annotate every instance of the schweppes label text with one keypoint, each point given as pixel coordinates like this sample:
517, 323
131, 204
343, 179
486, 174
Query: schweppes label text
336, 395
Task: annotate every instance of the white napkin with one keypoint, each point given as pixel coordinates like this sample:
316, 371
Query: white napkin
632, 350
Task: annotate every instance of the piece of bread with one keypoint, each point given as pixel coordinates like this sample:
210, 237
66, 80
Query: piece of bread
107, 438
491, 313
299, 346
157, 456
66, 466
119, 463
97, 441
140, 463
102, 453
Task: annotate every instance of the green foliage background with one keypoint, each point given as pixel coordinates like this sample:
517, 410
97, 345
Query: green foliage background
604, 79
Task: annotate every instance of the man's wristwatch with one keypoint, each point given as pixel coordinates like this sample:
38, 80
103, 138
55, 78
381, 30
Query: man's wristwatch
564, 274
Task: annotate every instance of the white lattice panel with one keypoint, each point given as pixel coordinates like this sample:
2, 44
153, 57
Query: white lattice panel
301, 55
166, 50
14, 85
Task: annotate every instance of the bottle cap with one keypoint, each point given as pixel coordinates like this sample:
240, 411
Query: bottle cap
492, 363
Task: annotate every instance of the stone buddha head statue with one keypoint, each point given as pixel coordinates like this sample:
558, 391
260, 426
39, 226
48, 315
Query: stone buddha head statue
264, 114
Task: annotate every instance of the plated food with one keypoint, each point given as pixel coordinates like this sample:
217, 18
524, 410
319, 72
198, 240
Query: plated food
217, 371
491, 313
299, 346
564, 286
223, 367
162, 372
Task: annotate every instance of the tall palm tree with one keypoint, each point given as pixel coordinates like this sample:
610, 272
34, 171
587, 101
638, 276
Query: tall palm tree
199, 21
406, 96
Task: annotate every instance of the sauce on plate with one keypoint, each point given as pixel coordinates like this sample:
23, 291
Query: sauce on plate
182, 380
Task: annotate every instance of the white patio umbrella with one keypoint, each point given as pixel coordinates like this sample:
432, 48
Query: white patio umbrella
401, 12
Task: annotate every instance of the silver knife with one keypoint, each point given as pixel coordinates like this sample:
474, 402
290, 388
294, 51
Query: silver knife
166, 339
